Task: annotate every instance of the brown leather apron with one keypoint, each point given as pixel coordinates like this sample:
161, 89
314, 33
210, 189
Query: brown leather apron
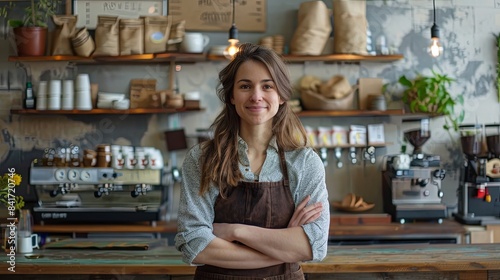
263, 204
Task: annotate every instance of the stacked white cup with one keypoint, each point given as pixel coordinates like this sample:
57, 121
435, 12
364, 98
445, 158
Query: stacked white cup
54, 96
83, 98
67, 95
41, 96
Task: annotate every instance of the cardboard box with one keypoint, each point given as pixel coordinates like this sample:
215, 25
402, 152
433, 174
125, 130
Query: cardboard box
367, 87
143, 94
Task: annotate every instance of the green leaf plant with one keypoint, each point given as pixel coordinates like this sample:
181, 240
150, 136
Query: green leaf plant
36, 14
430, 94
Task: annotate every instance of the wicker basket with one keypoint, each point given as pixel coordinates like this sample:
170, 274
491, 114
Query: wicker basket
315, 101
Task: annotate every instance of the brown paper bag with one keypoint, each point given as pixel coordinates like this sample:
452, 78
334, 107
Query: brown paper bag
156, 33
350, 26
106, 36
313, 29
63, 32
131, 36
176, 35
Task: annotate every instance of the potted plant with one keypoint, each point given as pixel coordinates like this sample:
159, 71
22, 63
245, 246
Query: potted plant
31, 32
430, 94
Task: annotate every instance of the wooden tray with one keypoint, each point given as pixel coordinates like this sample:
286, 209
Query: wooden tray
338, 206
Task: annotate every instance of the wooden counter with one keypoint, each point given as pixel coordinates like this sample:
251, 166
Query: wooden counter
413, 261
449, 230
338, 232
83, 229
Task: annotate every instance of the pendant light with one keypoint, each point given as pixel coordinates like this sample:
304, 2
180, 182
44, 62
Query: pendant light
435, 49
232, 49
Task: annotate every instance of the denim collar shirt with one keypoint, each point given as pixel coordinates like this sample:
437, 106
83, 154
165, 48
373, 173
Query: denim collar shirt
306, 174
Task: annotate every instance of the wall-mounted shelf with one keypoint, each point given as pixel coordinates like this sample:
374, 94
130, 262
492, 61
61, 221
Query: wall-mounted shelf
139, 58
138, 111
351, 113
344, 58
378, 145
200, 57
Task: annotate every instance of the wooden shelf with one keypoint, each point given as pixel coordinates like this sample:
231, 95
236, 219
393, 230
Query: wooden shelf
378, 145
200, 57
350, 113
140, 58
344, 57
138, 111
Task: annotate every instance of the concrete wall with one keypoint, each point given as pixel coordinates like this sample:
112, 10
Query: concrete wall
467, 33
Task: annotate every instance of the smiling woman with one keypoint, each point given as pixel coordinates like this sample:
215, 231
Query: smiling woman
257, 184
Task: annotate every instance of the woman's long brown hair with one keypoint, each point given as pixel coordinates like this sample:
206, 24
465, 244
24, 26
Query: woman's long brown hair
220, 158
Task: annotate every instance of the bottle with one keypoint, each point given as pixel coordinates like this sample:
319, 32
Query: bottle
29, 98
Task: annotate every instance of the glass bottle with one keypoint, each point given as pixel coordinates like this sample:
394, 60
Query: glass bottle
29, 98
25, 224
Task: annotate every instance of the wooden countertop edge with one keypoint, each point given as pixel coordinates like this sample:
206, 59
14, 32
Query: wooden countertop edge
340, 259
392, 229
114, 269
308, 268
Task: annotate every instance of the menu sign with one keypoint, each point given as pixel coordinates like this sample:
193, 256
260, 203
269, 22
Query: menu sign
88, 10
216, 15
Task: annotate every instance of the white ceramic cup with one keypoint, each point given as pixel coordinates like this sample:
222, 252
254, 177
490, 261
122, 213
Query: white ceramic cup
27, 244
82, 82
68, 88
42, 89
54, 88
194, 42
41, 103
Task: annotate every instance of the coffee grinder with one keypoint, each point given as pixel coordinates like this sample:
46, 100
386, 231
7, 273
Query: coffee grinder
479, 186
414, 192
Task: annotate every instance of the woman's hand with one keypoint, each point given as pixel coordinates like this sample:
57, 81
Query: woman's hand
305, 214
224, 231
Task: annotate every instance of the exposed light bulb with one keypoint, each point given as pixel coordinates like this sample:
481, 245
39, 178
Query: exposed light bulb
232, 49
435, 49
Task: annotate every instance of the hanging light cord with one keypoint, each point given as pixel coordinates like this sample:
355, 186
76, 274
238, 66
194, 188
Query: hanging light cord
234, 8
434, 6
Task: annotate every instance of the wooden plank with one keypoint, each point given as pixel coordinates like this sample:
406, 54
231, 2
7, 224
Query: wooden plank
447, 228
359, 219
473, 275
161, 227
384, 276
164, 260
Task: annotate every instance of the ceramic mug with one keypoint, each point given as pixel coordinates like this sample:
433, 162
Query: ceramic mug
26, 244
194, 42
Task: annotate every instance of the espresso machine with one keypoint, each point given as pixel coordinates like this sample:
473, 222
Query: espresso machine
68, 194
411, 184
479, 188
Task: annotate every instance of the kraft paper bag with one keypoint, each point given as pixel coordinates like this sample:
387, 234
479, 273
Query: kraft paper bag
107, 36
131, 36
156, 33
65, 28
314, 28
349, 26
